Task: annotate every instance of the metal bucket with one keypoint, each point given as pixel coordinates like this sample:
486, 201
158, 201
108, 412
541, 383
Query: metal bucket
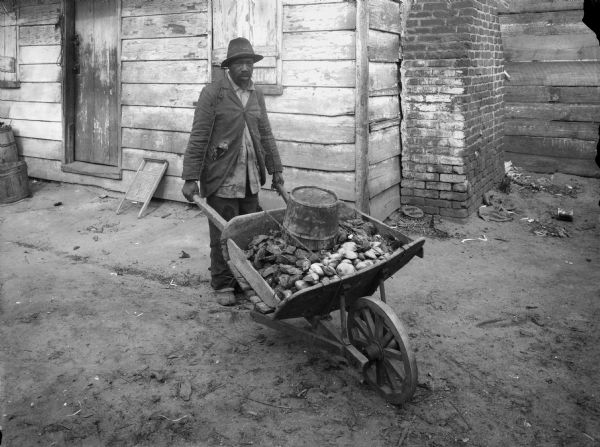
311, 217
8, 147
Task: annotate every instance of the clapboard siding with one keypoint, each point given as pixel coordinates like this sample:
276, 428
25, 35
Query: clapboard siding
308, 46
36, 111
384, 175
162, 95
383, 108
39, 35
155, 140
40, 54
312, 129
34, 147
565, 95
157, 7
40, 73
325, 17
165, 72
383, 47
546, 128
384, 15
34, 92
384, 144
323, 157
168, 25
552, 94
341, 183
313, 101
164, 49
385, 203
47, 14
157, 118
319, 74
573, 74
44, 130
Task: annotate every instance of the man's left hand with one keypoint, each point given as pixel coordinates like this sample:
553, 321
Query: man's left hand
277, 179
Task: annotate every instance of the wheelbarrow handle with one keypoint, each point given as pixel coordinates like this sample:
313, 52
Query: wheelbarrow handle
283, 193
210, 212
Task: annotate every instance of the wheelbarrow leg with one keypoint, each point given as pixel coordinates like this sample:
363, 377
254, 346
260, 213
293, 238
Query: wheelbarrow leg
382, 290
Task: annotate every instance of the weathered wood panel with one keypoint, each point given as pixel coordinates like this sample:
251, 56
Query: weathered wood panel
554, 112
515, 6
39, 35
551, 147
384, 144
537, 163
558, 47
385, 203
167, 25
33, 147
40, 73
384, 175
554, 73
161, 95
383, 108
156, 7
44, 130
550, 129
47, 14
132, 158
384, 15
319, 74
312, 129
35, 92
307, 46
320, 17
41, 54
167, 48
382, 76
165, 72
341, 183
543, 23
313, 101
157, 118
156, 140
565, 95
326, 157
383, 47
35, 111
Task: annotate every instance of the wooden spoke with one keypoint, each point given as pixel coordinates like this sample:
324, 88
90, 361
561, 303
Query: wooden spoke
375, 330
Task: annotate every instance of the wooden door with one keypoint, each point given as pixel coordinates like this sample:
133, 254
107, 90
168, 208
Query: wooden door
96, 89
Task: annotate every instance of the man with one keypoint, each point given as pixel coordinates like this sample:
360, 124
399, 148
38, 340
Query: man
230, 148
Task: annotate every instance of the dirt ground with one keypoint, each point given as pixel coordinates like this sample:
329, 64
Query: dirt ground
111, 336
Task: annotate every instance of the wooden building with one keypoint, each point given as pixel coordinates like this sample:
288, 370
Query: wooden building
553, 92
91, 87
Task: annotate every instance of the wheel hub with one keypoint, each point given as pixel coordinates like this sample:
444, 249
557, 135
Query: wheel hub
374, 351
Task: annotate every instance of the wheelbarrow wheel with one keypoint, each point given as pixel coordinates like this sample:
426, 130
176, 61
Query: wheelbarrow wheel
376, 331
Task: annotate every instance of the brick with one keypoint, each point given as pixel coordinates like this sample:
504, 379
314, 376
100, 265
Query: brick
452, 178
427, 177
412, 184
429, 193
438, 203
456, 196
440, 186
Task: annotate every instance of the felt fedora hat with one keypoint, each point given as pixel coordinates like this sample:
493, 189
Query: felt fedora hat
239, 47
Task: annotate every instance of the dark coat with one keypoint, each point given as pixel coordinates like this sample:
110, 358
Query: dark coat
217, 133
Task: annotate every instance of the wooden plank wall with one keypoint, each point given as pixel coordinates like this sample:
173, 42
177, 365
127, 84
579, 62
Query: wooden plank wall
313, 120
34, 110
384, 107
553, 94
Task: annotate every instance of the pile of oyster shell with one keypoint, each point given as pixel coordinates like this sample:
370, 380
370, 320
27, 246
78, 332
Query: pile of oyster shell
288, 268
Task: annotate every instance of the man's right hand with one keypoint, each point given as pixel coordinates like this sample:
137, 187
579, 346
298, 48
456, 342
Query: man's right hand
190, 189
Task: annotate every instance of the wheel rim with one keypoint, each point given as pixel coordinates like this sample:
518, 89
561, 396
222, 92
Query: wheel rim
375, 330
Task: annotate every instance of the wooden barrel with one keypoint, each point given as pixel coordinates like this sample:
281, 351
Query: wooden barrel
14, 183
8, 147
311, 217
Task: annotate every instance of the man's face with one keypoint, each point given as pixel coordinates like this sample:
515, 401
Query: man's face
240, 70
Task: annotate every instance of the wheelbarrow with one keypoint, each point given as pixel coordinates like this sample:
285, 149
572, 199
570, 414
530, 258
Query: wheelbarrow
370, 335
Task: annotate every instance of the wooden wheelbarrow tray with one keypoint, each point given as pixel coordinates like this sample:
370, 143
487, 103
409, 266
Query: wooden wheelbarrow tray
371, 336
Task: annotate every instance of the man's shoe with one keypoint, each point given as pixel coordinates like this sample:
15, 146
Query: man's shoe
225, 296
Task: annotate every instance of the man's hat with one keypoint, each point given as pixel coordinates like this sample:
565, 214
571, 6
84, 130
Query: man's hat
239, 47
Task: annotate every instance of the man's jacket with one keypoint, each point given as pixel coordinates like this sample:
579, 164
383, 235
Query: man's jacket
217, 132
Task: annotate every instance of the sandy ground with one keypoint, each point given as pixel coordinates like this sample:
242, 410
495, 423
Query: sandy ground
111, 338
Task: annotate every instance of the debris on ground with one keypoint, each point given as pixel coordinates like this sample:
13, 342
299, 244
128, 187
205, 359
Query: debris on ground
425, 225
539, 183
